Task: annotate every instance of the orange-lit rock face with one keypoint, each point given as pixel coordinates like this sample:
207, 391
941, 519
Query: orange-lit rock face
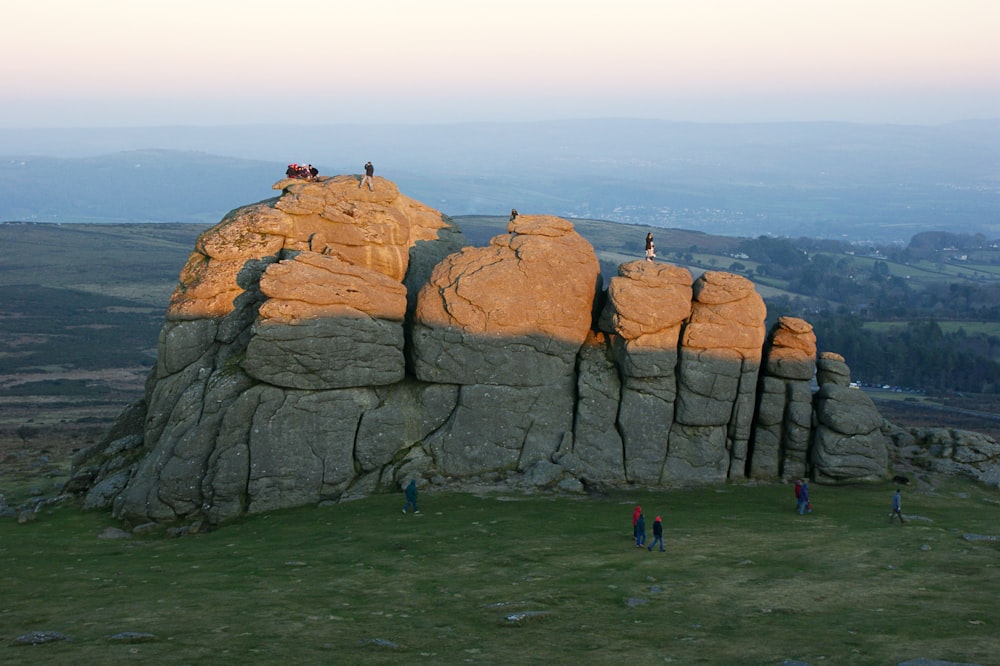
650, 303
313, 285
727, 314
792, 341
330, 216
538, 280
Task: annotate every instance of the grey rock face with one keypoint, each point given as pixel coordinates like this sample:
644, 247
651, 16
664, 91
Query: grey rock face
949, 451
784, 403
327, 353
595, 452
848, 444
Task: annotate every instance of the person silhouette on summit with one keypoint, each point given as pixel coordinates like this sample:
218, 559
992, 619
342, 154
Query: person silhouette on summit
650, 248
369, 172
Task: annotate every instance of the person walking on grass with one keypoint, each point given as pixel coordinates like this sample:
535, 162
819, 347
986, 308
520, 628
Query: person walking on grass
804, 505
635, 519
897, 508
411, 497
640, 531
657, 533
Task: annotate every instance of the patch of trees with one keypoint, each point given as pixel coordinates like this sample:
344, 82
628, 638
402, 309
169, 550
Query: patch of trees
838, 292
918, 354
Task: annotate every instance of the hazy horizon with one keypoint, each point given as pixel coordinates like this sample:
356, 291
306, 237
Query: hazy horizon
116, 63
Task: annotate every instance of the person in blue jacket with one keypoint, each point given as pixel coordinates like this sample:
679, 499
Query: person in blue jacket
804, 505
411, 497
640, 531
897, 508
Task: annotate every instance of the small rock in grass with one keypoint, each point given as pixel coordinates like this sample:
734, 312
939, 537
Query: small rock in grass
132, 637
39, 637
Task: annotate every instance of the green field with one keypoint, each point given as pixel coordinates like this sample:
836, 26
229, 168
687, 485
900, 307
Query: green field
538, 579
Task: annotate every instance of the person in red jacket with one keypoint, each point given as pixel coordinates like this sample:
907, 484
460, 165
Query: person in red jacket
635, 518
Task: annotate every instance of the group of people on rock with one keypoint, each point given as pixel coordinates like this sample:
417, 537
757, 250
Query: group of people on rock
303, 172
309, 172
639, 530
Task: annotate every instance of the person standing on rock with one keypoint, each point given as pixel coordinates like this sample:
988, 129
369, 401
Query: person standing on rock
650, 248
369, 171
804, 504
657, 533
640, 531
897, 508
411, 497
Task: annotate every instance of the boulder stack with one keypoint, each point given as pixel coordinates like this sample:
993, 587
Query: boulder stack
335, 342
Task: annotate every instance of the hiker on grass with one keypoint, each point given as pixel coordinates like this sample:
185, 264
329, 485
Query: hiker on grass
804, 504
657, 534
411, 497
897, 508
640, 531
635, 518
798, 490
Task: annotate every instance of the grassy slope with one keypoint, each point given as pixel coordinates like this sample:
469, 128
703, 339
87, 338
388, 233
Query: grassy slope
744, 580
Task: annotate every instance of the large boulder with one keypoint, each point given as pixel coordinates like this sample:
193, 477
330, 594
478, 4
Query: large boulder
375, 230
327, 324
848, 442
648, 304
514, 313
717, 372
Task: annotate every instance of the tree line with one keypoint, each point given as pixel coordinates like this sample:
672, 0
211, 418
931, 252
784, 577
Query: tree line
839, 294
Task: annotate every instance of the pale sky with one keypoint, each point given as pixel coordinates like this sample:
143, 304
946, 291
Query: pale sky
91, 63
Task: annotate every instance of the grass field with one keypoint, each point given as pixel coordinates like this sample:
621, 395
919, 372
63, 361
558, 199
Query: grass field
504, 579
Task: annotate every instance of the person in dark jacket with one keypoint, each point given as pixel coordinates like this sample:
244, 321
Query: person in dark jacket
369, 172
804, 505
897, 508
640, 531
657, 533
411, 497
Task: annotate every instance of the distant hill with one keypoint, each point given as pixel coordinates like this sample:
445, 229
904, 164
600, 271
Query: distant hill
134, 186
853, 182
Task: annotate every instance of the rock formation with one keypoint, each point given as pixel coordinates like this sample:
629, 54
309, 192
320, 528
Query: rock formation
848, 440
335, 342
947, 451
